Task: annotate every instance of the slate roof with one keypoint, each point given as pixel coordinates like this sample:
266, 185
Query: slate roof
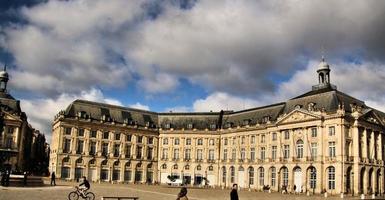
9, 104
326, 99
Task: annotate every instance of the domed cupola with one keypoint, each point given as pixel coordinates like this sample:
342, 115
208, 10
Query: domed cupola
323, 73
4, 79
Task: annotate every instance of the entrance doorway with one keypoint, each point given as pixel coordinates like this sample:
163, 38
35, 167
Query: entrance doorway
298, 179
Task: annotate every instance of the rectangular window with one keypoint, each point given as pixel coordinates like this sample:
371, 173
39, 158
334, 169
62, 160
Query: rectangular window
149, 153
286, 135
274, 136
242, 140
314, 147
116, 150
176, 154
105, 135
150, 140
187, 154
104, 149
332, 149
93, 134
139, 152
226, 141
92, 148
243, 154
165, 141
313, 132
286, 151
274, 152
211, 154
262, 138
332, 131
200, 142
252, 154
117, 136
81, 132
67, 130
200, 154
188, 141
332, 178
128, 138
9, 143
165, 153
263, 153
79, 149
252, 139
233, 154
225, 154
139, 139
67, 146
128, 151
176, 141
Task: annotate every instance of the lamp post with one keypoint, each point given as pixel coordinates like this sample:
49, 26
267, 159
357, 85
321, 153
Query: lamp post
353, 183
379, 189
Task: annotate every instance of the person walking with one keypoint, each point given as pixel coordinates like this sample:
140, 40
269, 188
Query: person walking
25, 178
53, 179
234, 193
182, 194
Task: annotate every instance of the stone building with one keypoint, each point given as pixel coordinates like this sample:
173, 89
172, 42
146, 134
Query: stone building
321, 140
16, 134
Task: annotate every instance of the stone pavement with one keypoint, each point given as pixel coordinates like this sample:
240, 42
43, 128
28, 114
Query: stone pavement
144, 192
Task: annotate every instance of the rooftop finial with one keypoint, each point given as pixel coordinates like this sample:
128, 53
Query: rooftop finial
5, 67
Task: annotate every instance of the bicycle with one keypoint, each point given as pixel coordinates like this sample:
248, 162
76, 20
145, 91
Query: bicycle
74, 195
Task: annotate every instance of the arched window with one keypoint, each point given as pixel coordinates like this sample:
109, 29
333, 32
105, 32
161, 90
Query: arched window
116, 163
261, 176
331, 178
232, 174
285, 176
66, 160
224, 174
79, 161
273, 176
313, 177
299, 149
92, 162
104, 162
251, 176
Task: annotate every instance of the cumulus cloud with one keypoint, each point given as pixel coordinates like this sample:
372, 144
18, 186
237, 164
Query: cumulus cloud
140, 106
230, 46
223, 101
41, 111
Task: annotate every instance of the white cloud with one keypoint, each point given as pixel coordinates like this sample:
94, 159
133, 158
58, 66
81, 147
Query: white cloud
41, 111
223, 101
140, 106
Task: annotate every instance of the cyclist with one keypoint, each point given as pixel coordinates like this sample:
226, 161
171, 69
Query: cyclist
84, 186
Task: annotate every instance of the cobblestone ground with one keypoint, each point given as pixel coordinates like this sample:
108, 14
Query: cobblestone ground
144, 192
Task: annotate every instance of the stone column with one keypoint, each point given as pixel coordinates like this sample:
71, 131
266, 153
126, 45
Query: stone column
364, 144
380, 149
356, 170
371, 147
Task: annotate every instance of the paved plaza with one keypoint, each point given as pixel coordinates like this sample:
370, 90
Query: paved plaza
144, 192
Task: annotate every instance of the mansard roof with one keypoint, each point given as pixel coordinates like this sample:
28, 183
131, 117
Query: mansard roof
326, 99
98, 111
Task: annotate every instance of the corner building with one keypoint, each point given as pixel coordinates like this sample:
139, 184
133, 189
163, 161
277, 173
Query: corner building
321, 140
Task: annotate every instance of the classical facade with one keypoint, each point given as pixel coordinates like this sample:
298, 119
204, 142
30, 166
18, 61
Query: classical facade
321, 140
17, 137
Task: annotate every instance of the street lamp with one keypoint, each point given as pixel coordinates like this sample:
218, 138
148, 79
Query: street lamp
353, 183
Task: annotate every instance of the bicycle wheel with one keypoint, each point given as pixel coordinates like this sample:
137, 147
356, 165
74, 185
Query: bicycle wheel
90, 196
73, 196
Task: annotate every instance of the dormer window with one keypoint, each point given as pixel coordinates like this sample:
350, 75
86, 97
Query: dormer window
265, 119
246, 122
311, 107
298, 106
167, 126
229, 124
190, 126
213, 126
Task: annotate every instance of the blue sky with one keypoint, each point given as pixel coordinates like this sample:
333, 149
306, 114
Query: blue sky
185, 55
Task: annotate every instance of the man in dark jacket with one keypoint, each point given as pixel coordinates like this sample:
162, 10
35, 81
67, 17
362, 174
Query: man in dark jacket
234, 193
53, 179
84, 186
